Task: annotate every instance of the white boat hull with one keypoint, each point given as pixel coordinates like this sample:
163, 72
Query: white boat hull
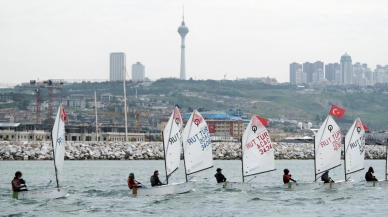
45, 194
243, 186
178, 188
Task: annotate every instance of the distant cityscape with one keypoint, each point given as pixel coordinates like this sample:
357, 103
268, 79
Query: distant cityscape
342, 73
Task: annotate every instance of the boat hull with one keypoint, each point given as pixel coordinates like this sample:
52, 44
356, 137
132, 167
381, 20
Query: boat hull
46, 194
178, 188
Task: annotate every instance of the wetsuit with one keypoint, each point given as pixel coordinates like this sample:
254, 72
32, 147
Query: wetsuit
18, 185
155, 181
220, 177
369, 177
325, 178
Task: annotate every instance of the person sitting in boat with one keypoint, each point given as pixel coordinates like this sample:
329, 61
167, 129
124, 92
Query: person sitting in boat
132, 183
18, 184
155, 181
326, 178
219, 176
287, 177
369, 177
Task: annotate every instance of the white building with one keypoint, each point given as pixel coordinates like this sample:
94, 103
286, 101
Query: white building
117, 66
138, 72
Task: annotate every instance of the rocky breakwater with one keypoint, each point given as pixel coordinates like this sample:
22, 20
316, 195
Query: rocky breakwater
150, 151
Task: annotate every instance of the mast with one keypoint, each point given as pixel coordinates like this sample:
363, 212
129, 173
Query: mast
95, 110
184, 160
242, 161
165, 162
125, 106
346, 175
55, 166
386, 160
315, 162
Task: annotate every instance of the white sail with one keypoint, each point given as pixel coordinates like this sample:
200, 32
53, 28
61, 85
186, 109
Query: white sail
354, 147
327, 146
197, 144
58, 139
257, 149
172, 138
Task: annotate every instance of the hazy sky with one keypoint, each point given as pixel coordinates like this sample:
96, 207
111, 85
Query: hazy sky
72, 39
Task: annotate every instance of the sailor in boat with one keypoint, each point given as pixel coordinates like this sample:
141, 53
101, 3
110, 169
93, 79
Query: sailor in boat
369, 177
132, 183
219, 176
18, 184
326, 178
155, 181
287, 177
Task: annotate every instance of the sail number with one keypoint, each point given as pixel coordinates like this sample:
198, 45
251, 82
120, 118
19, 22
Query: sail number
203, 137
262, 142
334, 139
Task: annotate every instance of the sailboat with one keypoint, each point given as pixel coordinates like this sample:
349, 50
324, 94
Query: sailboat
172, 146
327, 149
58, 144
257, 153
197, 145
354, 149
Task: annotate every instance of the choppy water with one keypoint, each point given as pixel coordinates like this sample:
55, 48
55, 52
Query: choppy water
98, 188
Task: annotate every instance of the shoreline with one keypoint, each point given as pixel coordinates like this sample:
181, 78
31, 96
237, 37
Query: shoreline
10, 151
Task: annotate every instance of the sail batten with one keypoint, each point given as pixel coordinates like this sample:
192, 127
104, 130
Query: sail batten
258, 152
355, 147
197, 144
327, 146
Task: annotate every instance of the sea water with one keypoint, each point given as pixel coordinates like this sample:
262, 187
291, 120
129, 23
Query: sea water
99, 188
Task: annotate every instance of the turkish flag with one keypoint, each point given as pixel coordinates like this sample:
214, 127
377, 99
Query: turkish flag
264, 121
337, 111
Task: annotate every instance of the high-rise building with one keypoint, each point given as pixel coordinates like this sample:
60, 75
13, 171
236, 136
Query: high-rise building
308, 70
117, 67
183, 30
380, 74
346, 69
296, 73
318, 72
362, 75
138, 72
332, 72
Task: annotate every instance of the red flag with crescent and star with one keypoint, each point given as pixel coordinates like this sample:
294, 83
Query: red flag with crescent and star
337, 111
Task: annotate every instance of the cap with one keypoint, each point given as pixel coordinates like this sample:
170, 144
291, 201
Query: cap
218, 169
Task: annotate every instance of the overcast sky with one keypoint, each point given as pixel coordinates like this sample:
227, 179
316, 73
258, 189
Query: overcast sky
72, 39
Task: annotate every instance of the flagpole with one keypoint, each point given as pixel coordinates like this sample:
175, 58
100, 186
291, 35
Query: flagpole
125, 105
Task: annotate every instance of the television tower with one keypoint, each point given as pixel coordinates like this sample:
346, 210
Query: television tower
183, 30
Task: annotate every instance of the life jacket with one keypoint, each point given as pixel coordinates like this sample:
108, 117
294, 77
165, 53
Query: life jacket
286, 178
132, 184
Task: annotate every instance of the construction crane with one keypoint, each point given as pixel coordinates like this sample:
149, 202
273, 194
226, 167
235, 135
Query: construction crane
51, 86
